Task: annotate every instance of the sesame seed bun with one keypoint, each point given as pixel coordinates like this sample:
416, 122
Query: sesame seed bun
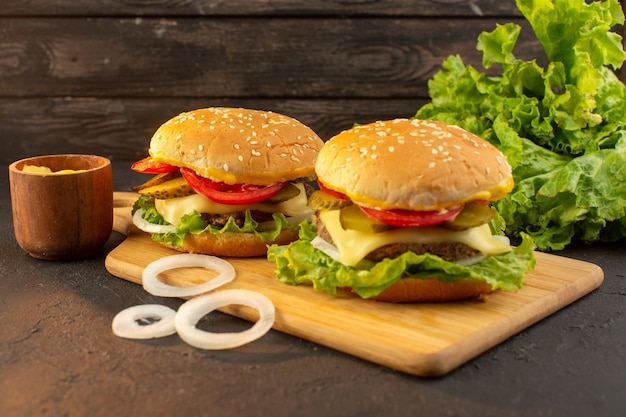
235, 145
413, 164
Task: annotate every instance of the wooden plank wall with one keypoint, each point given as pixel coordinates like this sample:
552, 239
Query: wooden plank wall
100, 76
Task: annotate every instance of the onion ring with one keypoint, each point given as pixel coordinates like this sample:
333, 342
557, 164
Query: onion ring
154, 286
190, 312
158, 322
148, 227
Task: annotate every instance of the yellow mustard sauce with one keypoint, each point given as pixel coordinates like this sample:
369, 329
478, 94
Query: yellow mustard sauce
35, 169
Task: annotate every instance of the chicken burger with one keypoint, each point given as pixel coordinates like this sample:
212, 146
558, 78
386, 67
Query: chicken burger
229, 181
403, 215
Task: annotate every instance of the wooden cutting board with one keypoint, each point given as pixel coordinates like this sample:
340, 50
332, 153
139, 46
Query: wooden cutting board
419, 339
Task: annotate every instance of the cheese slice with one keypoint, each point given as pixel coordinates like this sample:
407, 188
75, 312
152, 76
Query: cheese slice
173, 209
354, 245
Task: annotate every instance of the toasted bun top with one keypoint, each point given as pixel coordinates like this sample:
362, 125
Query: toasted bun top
413, 164
238, 145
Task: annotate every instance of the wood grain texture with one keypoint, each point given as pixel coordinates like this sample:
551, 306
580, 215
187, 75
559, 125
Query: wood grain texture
234, 57
101, 76
419, 339
260, 7
121, 128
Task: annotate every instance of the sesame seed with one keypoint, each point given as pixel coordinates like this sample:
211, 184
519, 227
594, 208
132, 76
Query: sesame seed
236, 146
431, 165
240, 158
255, 152
226, 167
201, 147
391, 149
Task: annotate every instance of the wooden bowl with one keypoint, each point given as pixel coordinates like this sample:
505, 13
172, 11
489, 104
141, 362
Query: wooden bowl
66, 215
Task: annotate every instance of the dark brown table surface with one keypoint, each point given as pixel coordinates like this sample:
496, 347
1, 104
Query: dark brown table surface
58, 356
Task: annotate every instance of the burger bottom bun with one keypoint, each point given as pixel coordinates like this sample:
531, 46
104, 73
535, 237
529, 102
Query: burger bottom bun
433, 290
238, 245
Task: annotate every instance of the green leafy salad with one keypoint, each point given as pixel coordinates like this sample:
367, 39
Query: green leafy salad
562, 127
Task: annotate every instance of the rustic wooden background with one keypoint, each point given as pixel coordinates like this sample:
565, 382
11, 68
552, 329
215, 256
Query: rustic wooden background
100, 76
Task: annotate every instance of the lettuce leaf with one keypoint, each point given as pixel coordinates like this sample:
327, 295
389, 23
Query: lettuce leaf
562, 127
299, 263
194, 223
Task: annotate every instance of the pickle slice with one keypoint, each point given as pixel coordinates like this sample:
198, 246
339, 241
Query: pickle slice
157, 179
320, 200
352, 217
288, 192
472, 215
173, 188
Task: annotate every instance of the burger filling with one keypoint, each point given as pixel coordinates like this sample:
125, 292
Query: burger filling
347, 248
181, 200
449, 251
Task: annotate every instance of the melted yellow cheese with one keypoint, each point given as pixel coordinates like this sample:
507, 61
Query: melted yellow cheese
354, 245
173, 209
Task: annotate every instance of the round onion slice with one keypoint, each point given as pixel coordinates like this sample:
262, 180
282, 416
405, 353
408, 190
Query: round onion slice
148, 227
147, 321
190, 312
154, 286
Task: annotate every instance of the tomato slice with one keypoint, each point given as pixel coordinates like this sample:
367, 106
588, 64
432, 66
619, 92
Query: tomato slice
221, 192
150, 166
411, 218
334, 193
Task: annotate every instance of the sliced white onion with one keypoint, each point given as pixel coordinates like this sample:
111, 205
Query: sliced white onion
471, 260
190, 312
326, 247
148, 227
147, 321
154, 286
502, 239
